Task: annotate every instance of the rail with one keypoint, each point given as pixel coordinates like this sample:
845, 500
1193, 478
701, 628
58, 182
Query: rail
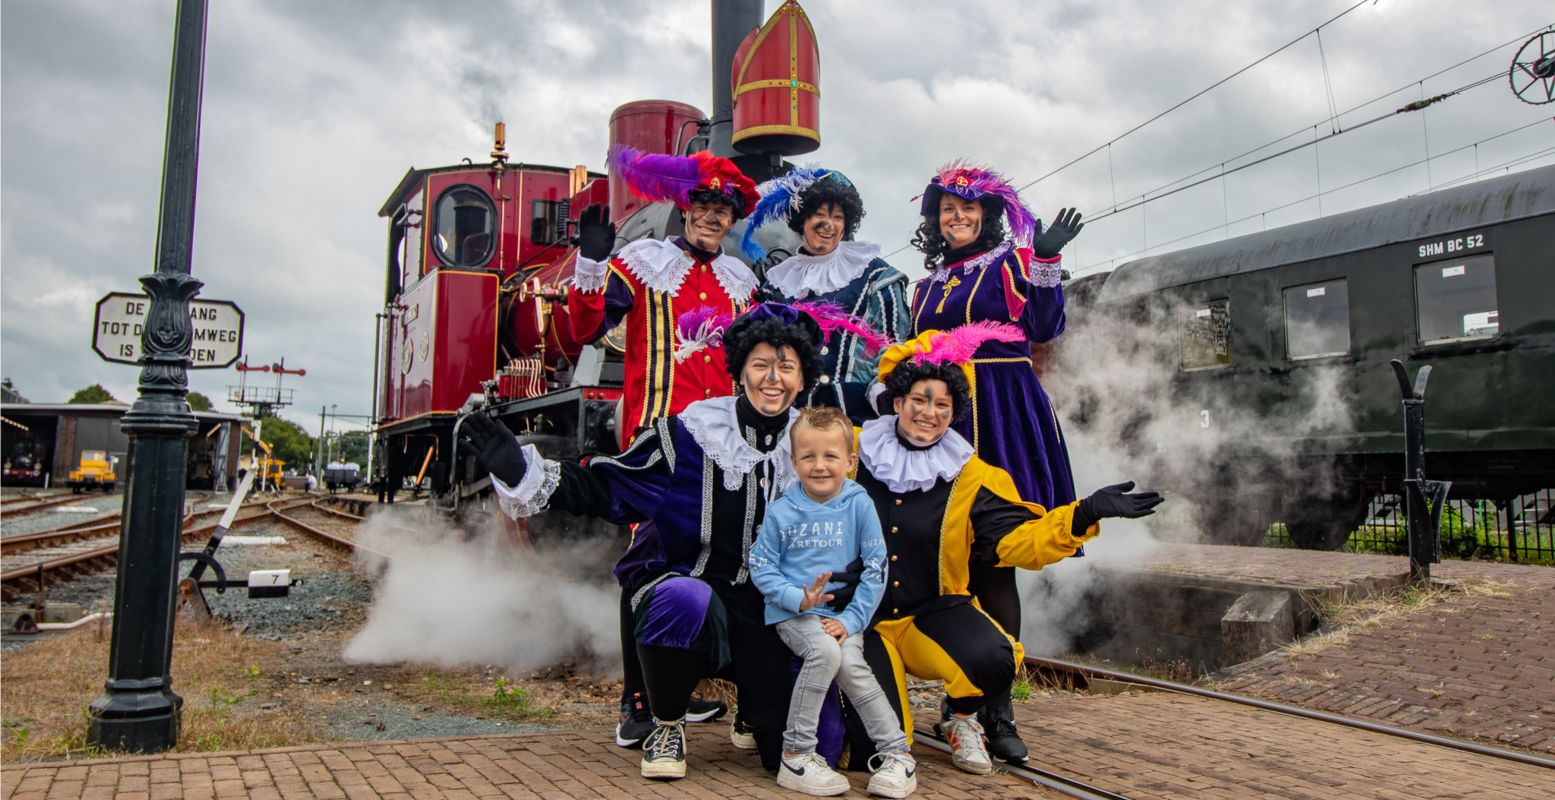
1087, 671
1058, 782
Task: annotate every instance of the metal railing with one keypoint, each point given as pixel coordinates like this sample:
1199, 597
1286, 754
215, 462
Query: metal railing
1521, 531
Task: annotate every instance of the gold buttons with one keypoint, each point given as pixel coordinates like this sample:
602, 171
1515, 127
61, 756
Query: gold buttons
707, 359
893, 556
895, 529
896, 611
707, 393
702, 295
898, 501
896, 584
825, 350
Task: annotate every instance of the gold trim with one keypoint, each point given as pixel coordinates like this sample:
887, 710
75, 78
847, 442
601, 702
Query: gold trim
777, 83
1002, 360
760, 130
761, 36
982, 272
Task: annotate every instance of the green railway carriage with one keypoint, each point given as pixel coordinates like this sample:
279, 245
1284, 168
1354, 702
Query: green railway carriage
1292, 330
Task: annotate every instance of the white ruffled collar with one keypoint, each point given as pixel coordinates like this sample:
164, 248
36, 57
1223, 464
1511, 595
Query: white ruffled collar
715, 426
802, 274
662, 265
974, 263
905, 470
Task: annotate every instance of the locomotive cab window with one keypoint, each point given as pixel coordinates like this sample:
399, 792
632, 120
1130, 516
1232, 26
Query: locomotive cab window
1206, 336
1317, 320
1457, 299
465, 227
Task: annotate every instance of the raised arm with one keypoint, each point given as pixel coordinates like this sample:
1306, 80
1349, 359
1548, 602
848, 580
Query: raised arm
601, 297
1033, 280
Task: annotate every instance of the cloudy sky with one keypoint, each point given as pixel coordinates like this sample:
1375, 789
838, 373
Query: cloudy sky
313, 110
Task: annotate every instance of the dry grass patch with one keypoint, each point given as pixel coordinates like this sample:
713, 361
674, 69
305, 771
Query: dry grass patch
221, 676
1375, 612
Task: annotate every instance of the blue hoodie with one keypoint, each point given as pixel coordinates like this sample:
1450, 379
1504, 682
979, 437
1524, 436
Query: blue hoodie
800, 539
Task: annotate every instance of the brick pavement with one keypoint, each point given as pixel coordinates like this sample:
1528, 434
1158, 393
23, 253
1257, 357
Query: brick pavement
555, 766
1163, 745
1478, 664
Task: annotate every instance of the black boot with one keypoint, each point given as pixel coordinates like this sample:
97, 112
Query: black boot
998, 718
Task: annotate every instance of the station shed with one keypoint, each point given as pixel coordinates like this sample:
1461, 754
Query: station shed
52, 436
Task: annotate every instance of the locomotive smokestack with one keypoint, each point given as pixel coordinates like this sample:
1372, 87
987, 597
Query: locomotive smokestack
732, 19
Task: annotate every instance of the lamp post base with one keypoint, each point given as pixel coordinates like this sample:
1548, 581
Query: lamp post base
135, 720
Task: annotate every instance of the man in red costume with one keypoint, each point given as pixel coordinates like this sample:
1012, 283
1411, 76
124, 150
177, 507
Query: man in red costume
652, 282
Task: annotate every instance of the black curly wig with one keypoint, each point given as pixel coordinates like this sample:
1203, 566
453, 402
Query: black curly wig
830, 190
933, 246
715, 197
743, 336
900, 382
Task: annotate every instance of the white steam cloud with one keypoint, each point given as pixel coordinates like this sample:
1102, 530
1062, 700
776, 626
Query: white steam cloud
448, 597
1225, 458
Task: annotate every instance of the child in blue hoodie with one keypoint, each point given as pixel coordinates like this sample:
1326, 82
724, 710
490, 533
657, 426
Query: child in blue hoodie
818, 527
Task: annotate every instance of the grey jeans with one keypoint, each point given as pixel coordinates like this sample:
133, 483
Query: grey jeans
824, 661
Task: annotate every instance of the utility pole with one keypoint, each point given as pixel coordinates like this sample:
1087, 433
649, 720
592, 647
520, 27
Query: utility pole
138, 710
318, 461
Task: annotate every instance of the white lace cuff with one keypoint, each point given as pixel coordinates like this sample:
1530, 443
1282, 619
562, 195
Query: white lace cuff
533, 493
876, 389
1046, 274
589, 275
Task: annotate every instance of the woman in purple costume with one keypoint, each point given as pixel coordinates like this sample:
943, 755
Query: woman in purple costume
980, 274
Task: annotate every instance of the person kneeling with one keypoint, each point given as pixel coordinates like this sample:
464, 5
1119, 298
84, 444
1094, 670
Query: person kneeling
816, 528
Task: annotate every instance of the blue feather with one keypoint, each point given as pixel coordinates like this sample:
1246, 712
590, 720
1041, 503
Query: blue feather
777, 202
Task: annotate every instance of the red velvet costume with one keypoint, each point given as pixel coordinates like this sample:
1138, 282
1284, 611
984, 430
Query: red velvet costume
650, 283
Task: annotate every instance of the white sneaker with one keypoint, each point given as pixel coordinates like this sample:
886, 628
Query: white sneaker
967, 750
896, 775
810, 774
664, 751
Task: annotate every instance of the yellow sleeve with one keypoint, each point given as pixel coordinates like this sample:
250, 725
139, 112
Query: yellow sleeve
1041, 541
1045, 540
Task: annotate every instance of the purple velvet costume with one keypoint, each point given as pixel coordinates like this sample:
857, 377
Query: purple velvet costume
1011, 422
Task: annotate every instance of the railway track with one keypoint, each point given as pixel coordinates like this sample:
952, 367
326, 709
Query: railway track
34, 561
34, 503
1079, 675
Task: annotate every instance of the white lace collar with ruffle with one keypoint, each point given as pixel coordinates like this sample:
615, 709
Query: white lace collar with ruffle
975, 263
802, 274
715, 426
662, 265
903, 469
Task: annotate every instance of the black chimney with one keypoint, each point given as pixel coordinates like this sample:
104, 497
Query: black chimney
732, 20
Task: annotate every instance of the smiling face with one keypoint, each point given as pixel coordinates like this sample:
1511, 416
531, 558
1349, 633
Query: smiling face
960, 221
772, 378
924, 415
823, 458
707, 224
824, 228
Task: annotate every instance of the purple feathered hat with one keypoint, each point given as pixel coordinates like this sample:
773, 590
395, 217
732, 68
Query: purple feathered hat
660, 178
971, 182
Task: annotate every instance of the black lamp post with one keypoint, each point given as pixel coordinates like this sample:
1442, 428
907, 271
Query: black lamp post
138, 710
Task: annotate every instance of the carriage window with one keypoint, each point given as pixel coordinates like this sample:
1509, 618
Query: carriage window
1457, 299
466, 227
1317, 320
1206, 336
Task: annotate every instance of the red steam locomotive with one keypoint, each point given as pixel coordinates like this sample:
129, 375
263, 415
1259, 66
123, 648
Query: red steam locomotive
480, 258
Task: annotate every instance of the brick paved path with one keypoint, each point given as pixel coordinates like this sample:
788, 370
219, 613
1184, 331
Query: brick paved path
550, 766
1477, 664
1163, 745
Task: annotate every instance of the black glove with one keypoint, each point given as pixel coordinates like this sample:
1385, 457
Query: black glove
495, 447
843, 595
1116, 500
1052, 240
596, 233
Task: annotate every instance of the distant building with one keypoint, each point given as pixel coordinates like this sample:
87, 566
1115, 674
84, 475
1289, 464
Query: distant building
52, 436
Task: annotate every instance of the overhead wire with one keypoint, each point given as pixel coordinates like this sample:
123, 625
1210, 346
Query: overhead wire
1477, 173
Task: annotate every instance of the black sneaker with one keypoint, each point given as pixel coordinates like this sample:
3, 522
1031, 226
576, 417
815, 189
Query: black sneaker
699, 710
742, 734
1004, 742
664, 751
636, 722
